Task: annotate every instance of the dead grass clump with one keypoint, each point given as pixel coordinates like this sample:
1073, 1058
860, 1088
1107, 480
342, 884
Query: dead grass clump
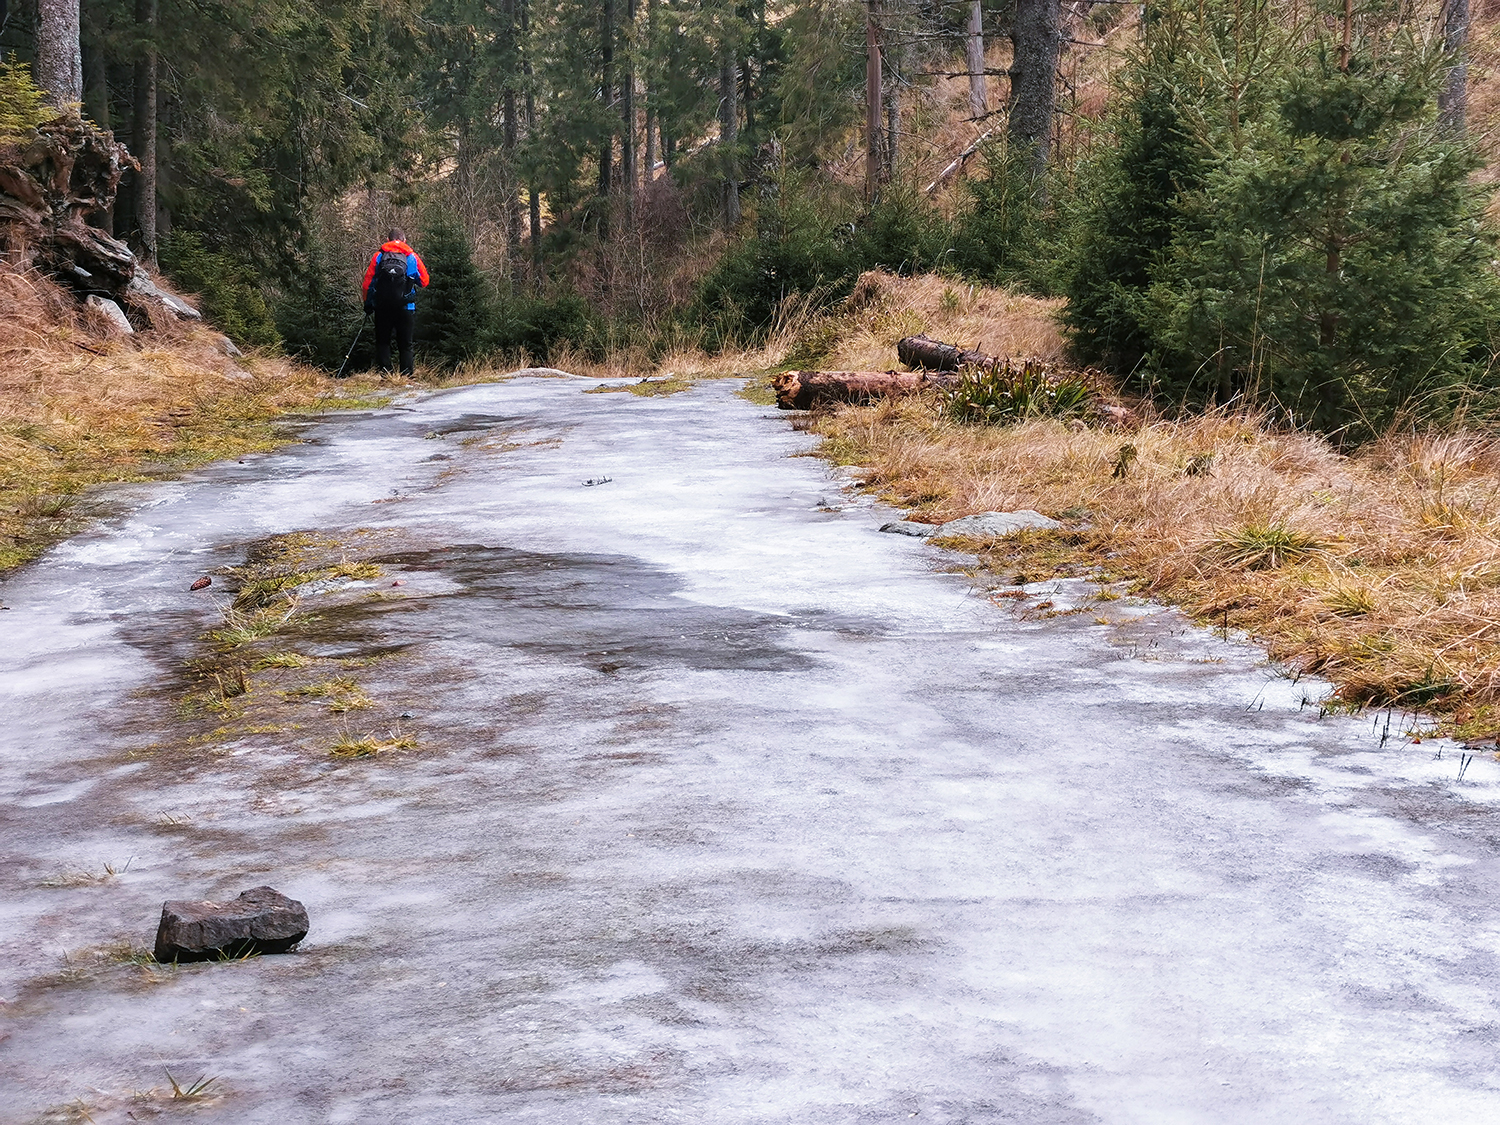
1378, 570
79, 406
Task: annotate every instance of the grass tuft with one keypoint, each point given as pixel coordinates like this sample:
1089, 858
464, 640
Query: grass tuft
1266, 546
368, 745
1004, 393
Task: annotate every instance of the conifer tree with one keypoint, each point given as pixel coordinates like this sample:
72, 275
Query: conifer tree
456, 311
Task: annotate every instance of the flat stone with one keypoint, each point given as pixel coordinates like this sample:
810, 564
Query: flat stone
142, 284
995, 525
113, 312
262, 920
907, 527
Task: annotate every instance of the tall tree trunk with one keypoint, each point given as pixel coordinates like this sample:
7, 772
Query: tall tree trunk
1037, 40
729, 133
59, 59
95, 75
1453, 99
534, 203
629, 168
649, 94
145, 127
892, 124
607, 90
872, 98
650, 157
977, 106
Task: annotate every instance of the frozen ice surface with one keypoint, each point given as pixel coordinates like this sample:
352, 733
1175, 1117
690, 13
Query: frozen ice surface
838, 840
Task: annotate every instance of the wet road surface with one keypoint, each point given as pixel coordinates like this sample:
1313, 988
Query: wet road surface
725, 808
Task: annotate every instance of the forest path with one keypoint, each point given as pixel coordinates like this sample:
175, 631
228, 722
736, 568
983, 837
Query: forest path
726, 809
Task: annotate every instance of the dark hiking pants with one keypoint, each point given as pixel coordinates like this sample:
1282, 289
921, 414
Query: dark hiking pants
400, 323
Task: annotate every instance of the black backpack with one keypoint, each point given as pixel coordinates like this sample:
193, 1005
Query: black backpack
392, 288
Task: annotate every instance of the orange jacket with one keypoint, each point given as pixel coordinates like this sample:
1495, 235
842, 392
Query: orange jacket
415, 268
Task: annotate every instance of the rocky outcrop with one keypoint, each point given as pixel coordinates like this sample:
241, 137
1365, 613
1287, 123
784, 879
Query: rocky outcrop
262, 920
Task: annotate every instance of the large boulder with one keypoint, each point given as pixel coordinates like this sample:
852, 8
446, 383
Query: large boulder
262, 920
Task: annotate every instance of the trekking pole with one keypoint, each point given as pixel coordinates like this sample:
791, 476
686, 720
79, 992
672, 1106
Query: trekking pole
352, 346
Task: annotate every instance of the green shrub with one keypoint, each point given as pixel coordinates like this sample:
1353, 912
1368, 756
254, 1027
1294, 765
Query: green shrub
23, 106
902, 233
456, 312
1004, 393
539, 325
1002, 234
1279, 224
318, 313
232, 297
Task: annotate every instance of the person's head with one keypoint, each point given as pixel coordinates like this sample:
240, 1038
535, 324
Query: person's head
395, 234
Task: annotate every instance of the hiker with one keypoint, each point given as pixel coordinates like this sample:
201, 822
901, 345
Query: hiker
390, 290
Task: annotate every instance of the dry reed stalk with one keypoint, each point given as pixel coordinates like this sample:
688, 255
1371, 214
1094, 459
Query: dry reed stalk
1394, 595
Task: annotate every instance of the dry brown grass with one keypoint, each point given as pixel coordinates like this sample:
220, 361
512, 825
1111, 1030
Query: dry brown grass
1393, 592
862, 333
80, 407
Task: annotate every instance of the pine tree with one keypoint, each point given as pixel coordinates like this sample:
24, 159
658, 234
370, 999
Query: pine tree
455, 313
1334, 259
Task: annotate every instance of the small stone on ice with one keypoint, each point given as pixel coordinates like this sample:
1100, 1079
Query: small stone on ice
262, 920
907, 527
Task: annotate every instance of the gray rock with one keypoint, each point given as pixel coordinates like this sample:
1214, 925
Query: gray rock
995, 525
142, 285
113, 312
226, 345
262, 920
907, 527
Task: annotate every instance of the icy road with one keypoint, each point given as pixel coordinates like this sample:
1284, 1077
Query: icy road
725, 809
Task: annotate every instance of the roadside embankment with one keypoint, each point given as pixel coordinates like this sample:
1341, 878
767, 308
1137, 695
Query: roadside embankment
83, 404
1379, 571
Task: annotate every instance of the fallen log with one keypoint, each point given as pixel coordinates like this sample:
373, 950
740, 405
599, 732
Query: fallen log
802, 390
960, 160
933, 355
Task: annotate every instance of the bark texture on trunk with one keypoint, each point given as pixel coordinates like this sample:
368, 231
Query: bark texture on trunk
146, 12
977, 104
933, 355
628, 163
1036, 37
59, 59
534, 203
892, 126
607, 88
873, 138
729, 134
1453, 100
648, 94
